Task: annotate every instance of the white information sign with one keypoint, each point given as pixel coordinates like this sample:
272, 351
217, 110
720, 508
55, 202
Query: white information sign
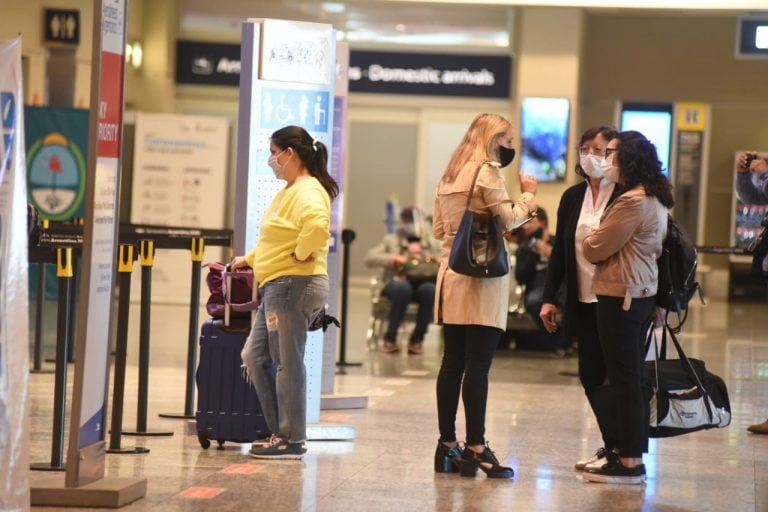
287, 78
179, 180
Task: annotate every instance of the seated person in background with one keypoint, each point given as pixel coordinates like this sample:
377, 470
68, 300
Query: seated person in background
532, 259
410, 258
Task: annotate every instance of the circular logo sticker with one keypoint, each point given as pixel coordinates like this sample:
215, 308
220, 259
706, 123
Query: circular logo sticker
56, 177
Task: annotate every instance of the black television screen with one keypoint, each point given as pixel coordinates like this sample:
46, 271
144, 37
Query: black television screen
752, 38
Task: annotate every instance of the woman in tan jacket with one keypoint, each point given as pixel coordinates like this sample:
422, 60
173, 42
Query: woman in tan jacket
625, 248
473, 311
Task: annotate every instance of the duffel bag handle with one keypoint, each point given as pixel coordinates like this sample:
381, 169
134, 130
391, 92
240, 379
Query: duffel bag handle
685, 363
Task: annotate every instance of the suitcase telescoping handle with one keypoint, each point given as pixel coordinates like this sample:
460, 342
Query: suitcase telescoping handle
227, 293
227, 289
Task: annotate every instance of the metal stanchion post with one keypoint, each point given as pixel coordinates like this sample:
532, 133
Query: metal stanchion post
64, 271
147, 259
72, 310
39, 317
347, 237
124, 269
197, 249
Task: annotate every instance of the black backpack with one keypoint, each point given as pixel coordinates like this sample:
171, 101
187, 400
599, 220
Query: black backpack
677, 274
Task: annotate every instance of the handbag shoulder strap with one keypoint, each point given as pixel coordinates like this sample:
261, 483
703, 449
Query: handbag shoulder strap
474, 181
472, 190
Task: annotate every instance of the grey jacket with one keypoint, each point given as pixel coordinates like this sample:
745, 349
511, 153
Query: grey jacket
626, 246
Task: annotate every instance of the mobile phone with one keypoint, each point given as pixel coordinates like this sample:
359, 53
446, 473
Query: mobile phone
750, 158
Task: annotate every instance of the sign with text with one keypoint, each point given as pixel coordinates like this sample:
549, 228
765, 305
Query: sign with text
85, 460
206, 63
179, 179
378, 72
434, 74
295, 92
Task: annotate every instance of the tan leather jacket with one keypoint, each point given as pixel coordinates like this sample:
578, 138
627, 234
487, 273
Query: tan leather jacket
626, 246
461, 299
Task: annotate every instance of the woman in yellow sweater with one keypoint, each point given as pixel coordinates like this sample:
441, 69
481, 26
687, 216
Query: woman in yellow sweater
289, 263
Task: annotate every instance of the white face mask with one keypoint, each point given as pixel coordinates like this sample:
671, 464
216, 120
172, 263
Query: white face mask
610, 172
277, 168
591, 164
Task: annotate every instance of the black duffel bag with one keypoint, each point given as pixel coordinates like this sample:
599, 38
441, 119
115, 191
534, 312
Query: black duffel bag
685, 397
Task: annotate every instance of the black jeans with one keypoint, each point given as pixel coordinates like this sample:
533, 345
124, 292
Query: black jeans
622, 336
592, 372
466, 361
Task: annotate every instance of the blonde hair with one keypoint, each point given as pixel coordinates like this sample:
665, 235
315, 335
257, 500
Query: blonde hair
479, 144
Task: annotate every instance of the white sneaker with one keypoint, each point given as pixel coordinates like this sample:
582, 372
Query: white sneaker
600, 455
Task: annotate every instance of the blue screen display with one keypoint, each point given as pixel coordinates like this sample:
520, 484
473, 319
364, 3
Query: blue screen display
544, 129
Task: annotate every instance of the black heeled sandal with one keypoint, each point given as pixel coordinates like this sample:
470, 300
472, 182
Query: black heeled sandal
447, 459
487, 461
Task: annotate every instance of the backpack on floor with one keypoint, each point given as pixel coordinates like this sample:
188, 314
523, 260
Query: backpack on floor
677, 274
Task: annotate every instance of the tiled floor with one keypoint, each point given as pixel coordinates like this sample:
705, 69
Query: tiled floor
538, 422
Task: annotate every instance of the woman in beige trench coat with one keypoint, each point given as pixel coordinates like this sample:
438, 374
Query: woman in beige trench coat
473, 311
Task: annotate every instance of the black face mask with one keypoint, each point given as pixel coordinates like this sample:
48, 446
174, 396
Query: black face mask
506, 155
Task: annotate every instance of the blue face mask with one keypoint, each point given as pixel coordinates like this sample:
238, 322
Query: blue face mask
506, 155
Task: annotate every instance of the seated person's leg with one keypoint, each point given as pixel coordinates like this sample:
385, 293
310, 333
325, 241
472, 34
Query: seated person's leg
542, 339
425, 296
399, 292
534, 299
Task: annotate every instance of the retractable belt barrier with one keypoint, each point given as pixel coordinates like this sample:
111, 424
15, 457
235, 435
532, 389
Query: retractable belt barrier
717, 249
135, 240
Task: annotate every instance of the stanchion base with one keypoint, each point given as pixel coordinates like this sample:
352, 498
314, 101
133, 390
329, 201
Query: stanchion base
344, 363
127, 451
40, 371
177, 415
46, 466
103, 493
148, 433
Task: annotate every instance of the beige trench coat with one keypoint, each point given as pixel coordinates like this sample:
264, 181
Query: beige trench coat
461, 299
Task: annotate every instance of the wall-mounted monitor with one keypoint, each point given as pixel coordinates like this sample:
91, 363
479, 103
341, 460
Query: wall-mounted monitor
654, 120
747, 216
544, 134
752, 38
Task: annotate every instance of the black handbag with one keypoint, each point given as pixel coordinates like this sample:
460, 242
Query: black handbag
479, 249
685, 397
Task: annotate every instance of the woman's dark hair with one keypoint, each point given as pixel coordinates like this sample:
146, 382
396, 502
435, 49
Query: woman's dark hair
312, 153
640, 165
608, 133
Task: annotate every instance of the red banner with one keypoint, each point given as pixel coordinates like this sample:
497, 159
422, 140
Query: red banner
110, 105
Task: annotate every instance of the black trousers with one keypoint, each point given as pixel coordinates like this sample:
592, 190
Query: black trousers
464, 370
592, 372
622, 337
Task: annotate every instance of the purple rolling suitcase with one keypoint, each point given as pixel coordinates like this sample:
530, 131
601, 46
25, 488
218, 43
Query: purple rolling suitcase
227, 406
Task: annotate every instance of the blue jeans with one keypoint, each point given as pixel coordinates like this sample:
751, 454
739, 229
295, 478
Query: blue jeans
273, 355
400, 292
